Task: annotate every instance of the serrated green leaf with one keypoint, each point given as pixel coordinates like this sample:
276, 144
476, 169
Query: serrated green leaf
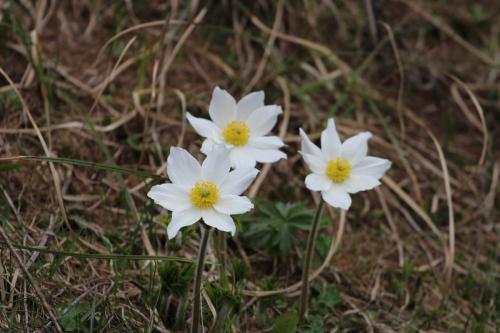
275, 226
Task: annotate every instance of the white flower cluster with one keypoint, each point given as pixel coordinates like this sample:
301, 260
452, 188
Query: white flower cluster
236, 137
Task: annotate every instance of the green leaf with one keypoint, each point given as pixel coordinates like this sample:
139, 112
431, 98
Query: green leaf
275, 226
286, 323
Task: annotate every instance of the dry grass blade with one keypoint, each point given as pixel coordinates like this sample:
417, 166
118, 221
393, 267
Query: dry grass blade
451, 215
392, 225
416, 208
480, 112
282, 133
449, 31
131, 29
108, 78
399, 107
31, 280
269, 46
55, 175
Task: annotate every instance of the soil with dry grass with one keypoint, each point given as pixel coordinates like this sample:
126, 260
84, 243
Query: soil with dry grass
110, 82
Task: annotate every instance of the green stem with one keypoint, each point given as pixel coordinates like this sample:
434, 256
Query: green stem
197, 281
304, 297
220, 249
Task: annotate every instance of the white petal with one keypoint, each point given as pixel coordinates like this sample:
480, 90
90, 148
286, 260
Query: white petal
182, 168
337, 197
262, 120
318, 182
371, 166
219, 221
182, 219
264, 155
266, 142
357, 183
222, 107
238, 180
249, 103
233, 204
355, 148
307, 146
330, 141
241, 159
170, 196
316, 163
216, 166
207, 146
204, 127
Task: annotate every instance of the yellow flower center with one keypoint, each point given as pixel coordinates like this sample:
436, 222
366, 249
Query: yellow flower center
236, 133
204, 194
338, 170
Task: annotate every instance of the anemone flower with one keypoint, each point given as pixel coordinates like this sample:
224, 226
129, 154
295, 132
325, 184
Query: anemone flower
341, 168
338, 170
241, 127
208, 191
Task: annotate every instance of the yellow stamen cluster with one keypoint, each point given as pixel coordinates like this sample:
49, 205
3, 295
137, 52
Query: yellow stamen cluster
204, 194
338, 170
236, 133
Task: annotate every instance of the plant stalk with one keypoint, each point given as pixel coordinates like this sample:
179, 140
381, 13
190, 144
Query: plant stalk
220, 249
197, 280
306, 269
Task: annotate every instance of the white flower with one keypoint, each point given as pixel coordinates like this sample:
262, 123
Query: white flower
241, 127
340, 169
209, 192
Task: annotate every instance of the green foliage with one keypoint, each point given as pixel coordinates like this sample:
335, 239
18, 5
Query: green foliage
268, 302
286, 323
275, 226
407, 271
73, 320
175, 279
239, 271
327, 300
227, 303
315, 325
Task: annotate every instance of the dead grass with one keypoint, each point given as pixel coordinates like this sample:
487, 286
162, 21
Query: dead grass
109, 82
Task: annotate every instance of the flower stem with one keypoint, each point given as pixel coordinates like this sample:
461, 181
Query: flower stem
197, 281
220, 250
306, 270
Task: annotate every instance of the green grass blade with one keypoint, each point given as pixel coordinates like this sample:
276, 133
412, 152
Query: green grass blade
100, 256
94, 165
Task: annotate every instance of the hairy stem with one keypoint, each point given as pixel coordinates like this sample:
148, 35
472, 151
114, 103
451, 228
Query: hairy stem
197, 281
306, 270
